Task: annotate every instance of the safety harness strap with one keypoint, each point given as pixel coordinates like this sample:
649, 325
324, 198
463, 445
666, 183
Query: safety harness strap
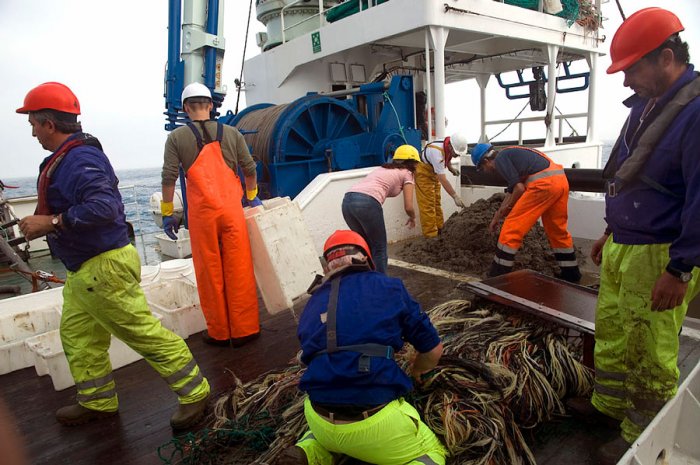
365, 350
197, 135
649, 138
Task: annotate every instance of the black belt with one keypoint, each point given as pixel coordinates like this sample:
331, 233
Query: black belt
346, 413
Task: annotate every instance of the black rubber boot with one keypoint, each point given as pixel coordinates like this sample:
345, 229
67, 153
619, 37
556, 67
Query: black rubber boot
497, 270
571, 274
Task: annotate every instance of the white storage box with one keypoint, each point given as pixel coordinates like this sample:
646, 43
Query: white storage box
180, 248
284, 256
177, 301
17, 326
49, 359
178, 268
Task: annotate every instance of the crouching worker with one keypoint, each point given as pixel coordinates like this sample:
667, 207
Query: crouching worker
352, 325
537, 187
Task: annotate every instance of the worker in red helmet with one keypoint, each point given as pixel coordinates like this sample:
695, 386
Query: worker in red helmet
80, 211
650, 251
354, 322
210, 153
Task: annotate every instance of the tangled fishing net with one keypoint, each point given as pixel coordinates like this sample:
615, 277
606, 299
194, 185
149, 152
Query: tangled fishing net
501, 373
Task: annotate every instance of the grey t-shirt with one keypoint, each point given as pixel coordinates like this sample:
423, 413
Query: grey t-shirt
181, 147
515, 164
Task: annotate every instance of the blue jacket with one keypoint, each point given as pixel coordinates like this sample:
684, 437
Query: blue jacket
372, 308
84, 189
641, 214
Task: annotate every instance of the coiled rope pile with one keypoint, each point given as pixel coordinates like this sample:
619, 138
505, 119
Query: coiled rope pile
501, 372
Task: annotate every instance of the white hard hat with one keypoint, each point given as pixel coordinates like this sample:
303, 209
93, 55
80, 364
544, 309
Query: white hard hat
459, 143
196, 89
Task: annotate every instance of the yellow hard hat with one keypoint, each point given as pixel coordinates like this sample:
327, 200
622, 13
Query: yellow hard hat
406, 152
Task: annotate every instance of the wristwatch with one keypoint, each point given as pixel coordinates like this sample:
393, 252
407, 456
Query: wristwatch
683, 276
56, 222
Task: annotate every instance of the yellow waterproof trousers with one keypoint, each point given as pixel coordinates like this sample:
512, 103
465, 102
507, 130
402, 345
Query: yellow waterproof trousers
393, 436
104, 298
428, 197
636, 349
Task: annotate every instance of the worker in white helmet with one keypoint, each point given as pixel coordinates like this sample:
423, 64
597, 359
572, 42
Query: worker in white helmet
431, 174
210, 153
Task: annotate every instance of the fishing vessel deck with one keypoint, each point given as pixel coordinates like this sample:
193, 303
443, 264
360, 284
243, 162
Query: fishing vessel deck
146, 404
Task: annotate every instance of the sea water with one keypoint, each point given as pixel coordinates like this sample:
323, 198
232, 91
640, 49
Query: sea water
136, 187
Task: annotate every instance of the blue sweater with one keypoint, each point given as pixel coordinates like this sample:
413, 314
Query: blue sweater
641, 214
372, 308
84, 189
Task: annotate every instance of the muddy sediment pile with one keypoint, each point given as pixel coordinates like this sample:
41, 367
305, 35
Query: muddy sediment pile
466, 245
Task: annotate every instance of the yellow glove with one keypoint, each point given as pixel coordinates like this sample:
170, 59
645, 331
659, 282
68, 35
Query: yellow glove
166, 208
250, 195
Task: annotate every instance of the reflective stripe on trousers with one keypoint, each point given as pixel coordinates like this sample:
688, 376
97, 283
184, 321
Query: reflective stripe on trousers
104, 298
636, 349
428, 195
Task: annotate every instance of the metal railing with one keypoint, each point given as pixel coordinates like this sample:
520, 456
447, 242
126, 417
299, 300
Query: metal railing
561, 119
321, 15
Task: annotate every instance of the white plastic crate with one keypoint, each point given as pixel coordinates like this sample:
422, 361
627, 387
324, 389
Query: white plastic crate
177, 301
180, 248
49, 359
284, 257
16, 327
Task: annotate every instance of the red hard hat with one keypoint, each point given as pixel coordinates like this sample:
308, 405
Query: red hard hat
343, 237
51, 96
640, 34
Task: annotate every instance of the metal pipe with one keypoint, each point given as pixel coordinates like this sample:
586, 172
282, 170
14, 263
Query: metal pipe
341, 93
580, 179
210, 54
428, 91
172, 91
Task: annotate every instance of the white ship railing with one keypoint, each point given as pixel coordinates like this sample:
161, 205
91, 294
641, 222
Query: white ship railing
561, 119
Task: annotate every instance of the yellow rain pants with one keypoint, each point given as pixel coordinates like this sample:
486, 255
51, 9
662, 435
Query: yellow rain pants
636, 349
428, 195
103, 298
393, 436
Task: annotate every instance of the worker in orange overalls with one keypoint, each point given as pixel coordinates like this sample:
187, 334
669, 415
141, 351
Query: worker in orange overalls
210, 154
537, 187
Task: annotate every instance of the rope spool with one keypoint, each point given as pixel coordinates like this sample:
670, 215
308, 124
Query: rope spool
263, 121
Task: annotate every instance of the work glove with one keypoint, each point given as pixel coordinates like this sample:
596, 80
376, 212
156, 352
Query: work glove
458, 201
170, 224
256, 202
252, 199
453, 170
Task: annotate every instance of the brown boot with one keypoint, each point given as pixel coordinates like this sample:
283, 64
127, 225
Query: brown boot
188, 415
292, 455
610, 453
584, 409
76, 414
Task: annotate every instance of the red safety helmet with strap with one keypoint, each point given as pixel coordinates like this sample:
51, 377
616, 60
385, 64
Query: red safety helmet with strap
640, 34
51, 96
335, 245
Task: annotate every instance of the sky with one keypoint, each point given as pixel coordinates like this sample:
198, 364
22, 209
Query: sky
113, 56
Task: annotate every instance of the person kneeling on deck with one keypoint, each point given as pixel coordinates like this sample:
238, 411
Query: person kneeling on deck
352, 325
81, 213
537, 187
